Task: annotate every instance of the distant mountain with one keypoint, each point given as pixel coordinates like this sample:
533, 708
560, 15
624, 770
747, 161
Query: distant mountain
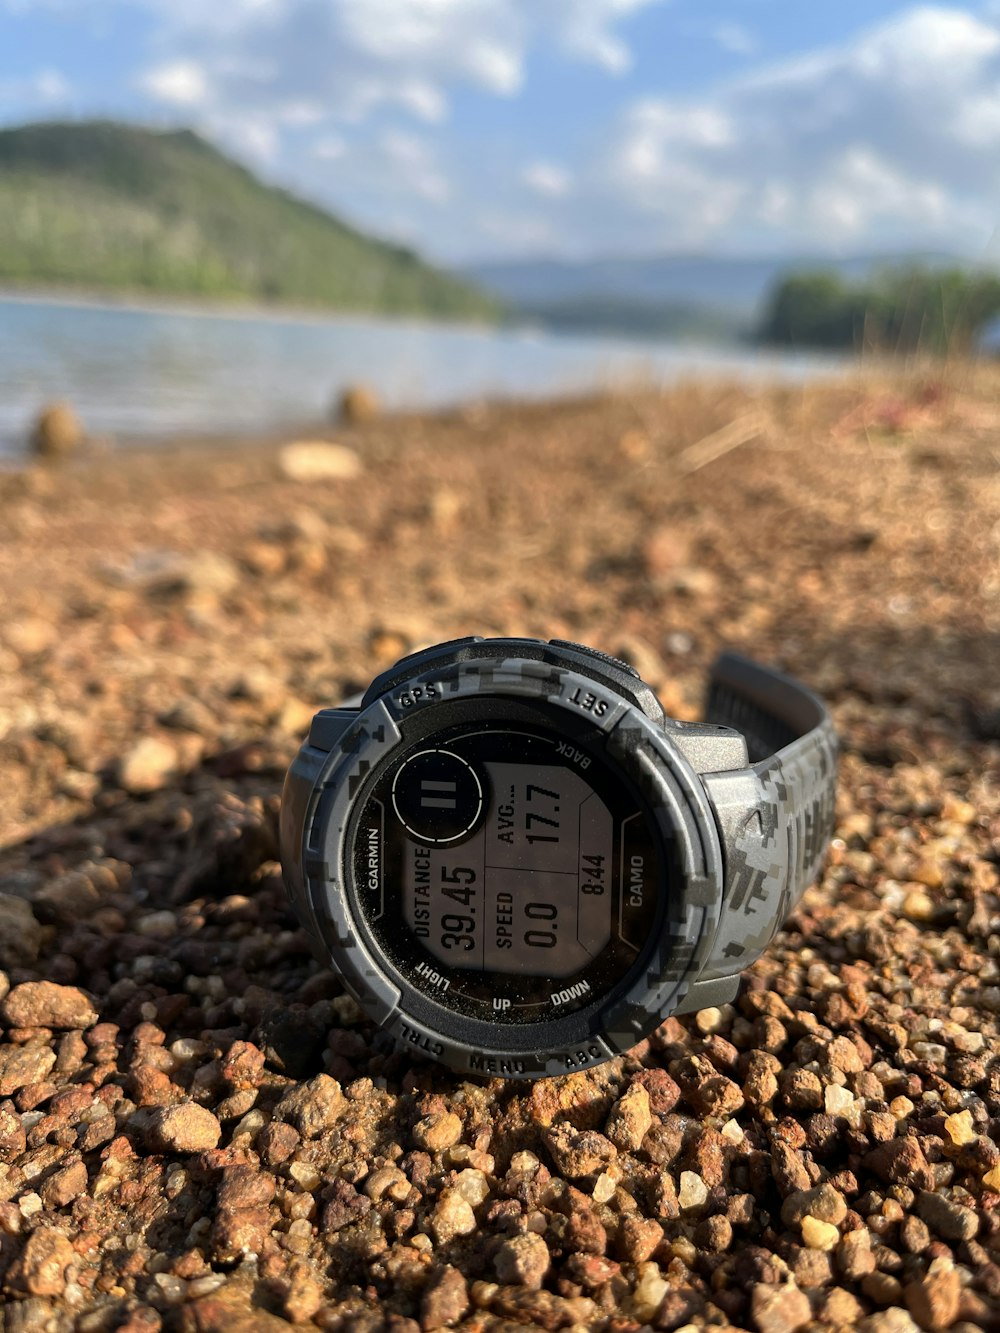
120, 208
686, 289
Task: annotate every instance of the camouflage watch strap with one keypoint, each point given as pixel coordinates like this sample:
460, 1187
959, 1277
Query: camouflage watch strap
793, 749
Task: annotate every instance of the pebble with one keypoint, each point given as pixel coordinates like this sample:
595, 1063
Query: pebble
779, 1309
693, 1192
312, 1107
437, 1132
630, 1119
934, 1299
42, 1266
65, 1185
648, 1293
960, 1129
453, 1216
523, 1259
358, 404
947, 1219
56, 432
822, 1202
186, 1127
900, 1161
819, 1235
445, 1300
318, 460
854, 1255
147, 766
45, 1004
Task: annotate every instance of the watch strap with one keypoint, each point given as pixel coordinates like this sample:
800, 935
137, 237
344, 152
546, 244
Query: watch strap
792, 747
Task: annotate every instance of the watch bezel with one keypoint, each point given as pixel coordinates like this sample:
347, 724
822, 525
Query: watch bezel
682, 815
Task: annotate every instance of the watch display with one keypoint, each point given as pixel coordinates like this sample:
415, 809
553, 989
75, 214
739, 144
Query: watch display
506, 873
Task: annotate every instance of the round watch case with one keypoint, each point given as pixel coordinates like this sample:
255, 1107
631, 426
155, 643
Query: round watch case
631, 740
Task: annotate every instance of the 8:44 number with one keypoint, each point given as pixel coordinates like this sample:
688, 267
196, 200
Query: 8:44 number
592, 874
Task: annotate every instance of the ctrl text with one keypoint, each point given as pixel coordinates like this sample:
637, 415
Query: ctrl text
420, 1039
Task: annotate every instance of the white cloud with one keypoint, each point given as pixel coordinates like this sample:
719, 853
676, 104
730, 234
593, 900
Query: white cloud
414, 166
547, 178
893, 137
330, 148
180, 82
734, 38
51, 86
42, 89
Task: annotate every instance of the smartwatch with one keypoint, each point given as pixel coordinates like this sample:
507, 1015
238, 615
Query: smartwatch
519, 866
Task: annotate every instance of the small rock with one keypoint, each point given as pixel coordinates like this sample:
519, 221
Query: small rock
244, 1187
24, 1066
358, 404
779, 1309
147, 765
318, 460
900, 1162
65, 1186
57, 432
523, 1260
30, 636
437, 1132
960, 1129
452, 1217
919, 906
303, 1297
185, 1127
312, 1107
577, 1152
20, 932
854, 1255
41, 1268
649, 1292
950, 1221
819, 1235
934, 1299
839, 1101
445, 1300
638, 1238
43, 1004
240, 1233
841, 1308
881, 1288
663, 551
822, 1202
630, 1119
888, 1321
693, 1191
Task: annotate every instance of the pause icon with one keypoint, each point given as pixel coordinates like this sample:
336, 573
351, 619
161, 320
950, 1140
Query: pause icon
437, 796
433, 797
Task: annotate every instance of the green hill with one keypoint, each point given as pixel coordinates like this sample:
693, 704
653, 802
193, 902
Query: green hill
101, 205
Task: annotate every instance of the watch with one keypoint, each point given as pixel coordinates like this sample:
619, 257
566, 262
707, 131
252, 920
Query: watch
519, 866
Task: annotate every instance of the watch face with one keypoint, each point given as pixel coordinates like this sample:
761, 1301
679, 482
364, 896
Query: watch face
506, 872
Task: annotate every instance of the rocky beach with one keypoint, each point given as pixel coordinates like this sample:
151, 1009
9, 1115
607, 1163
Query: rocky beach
198, 1129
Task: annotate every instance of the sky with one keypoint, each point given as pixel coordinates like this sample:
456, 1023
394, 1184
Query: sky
483, 129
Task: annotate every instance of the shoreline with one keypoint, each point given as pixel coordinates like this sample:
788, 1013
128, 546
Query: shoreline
76, 298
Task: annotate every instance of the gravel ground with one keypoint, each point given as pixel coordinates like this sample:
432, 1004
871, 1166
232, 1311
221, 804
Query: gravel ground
199, 1131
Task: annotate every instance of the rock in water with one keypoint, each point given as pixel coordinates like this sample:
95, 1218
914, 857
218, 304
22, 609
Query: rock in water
358, 404
318, 460
57, 431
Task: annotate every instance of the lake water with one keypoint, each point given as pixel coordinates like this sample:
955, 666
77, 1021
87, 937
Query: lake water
144, 373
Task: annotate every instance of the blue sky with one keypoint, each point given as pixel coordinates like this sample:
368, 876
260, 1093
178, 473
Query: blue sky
573, 128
